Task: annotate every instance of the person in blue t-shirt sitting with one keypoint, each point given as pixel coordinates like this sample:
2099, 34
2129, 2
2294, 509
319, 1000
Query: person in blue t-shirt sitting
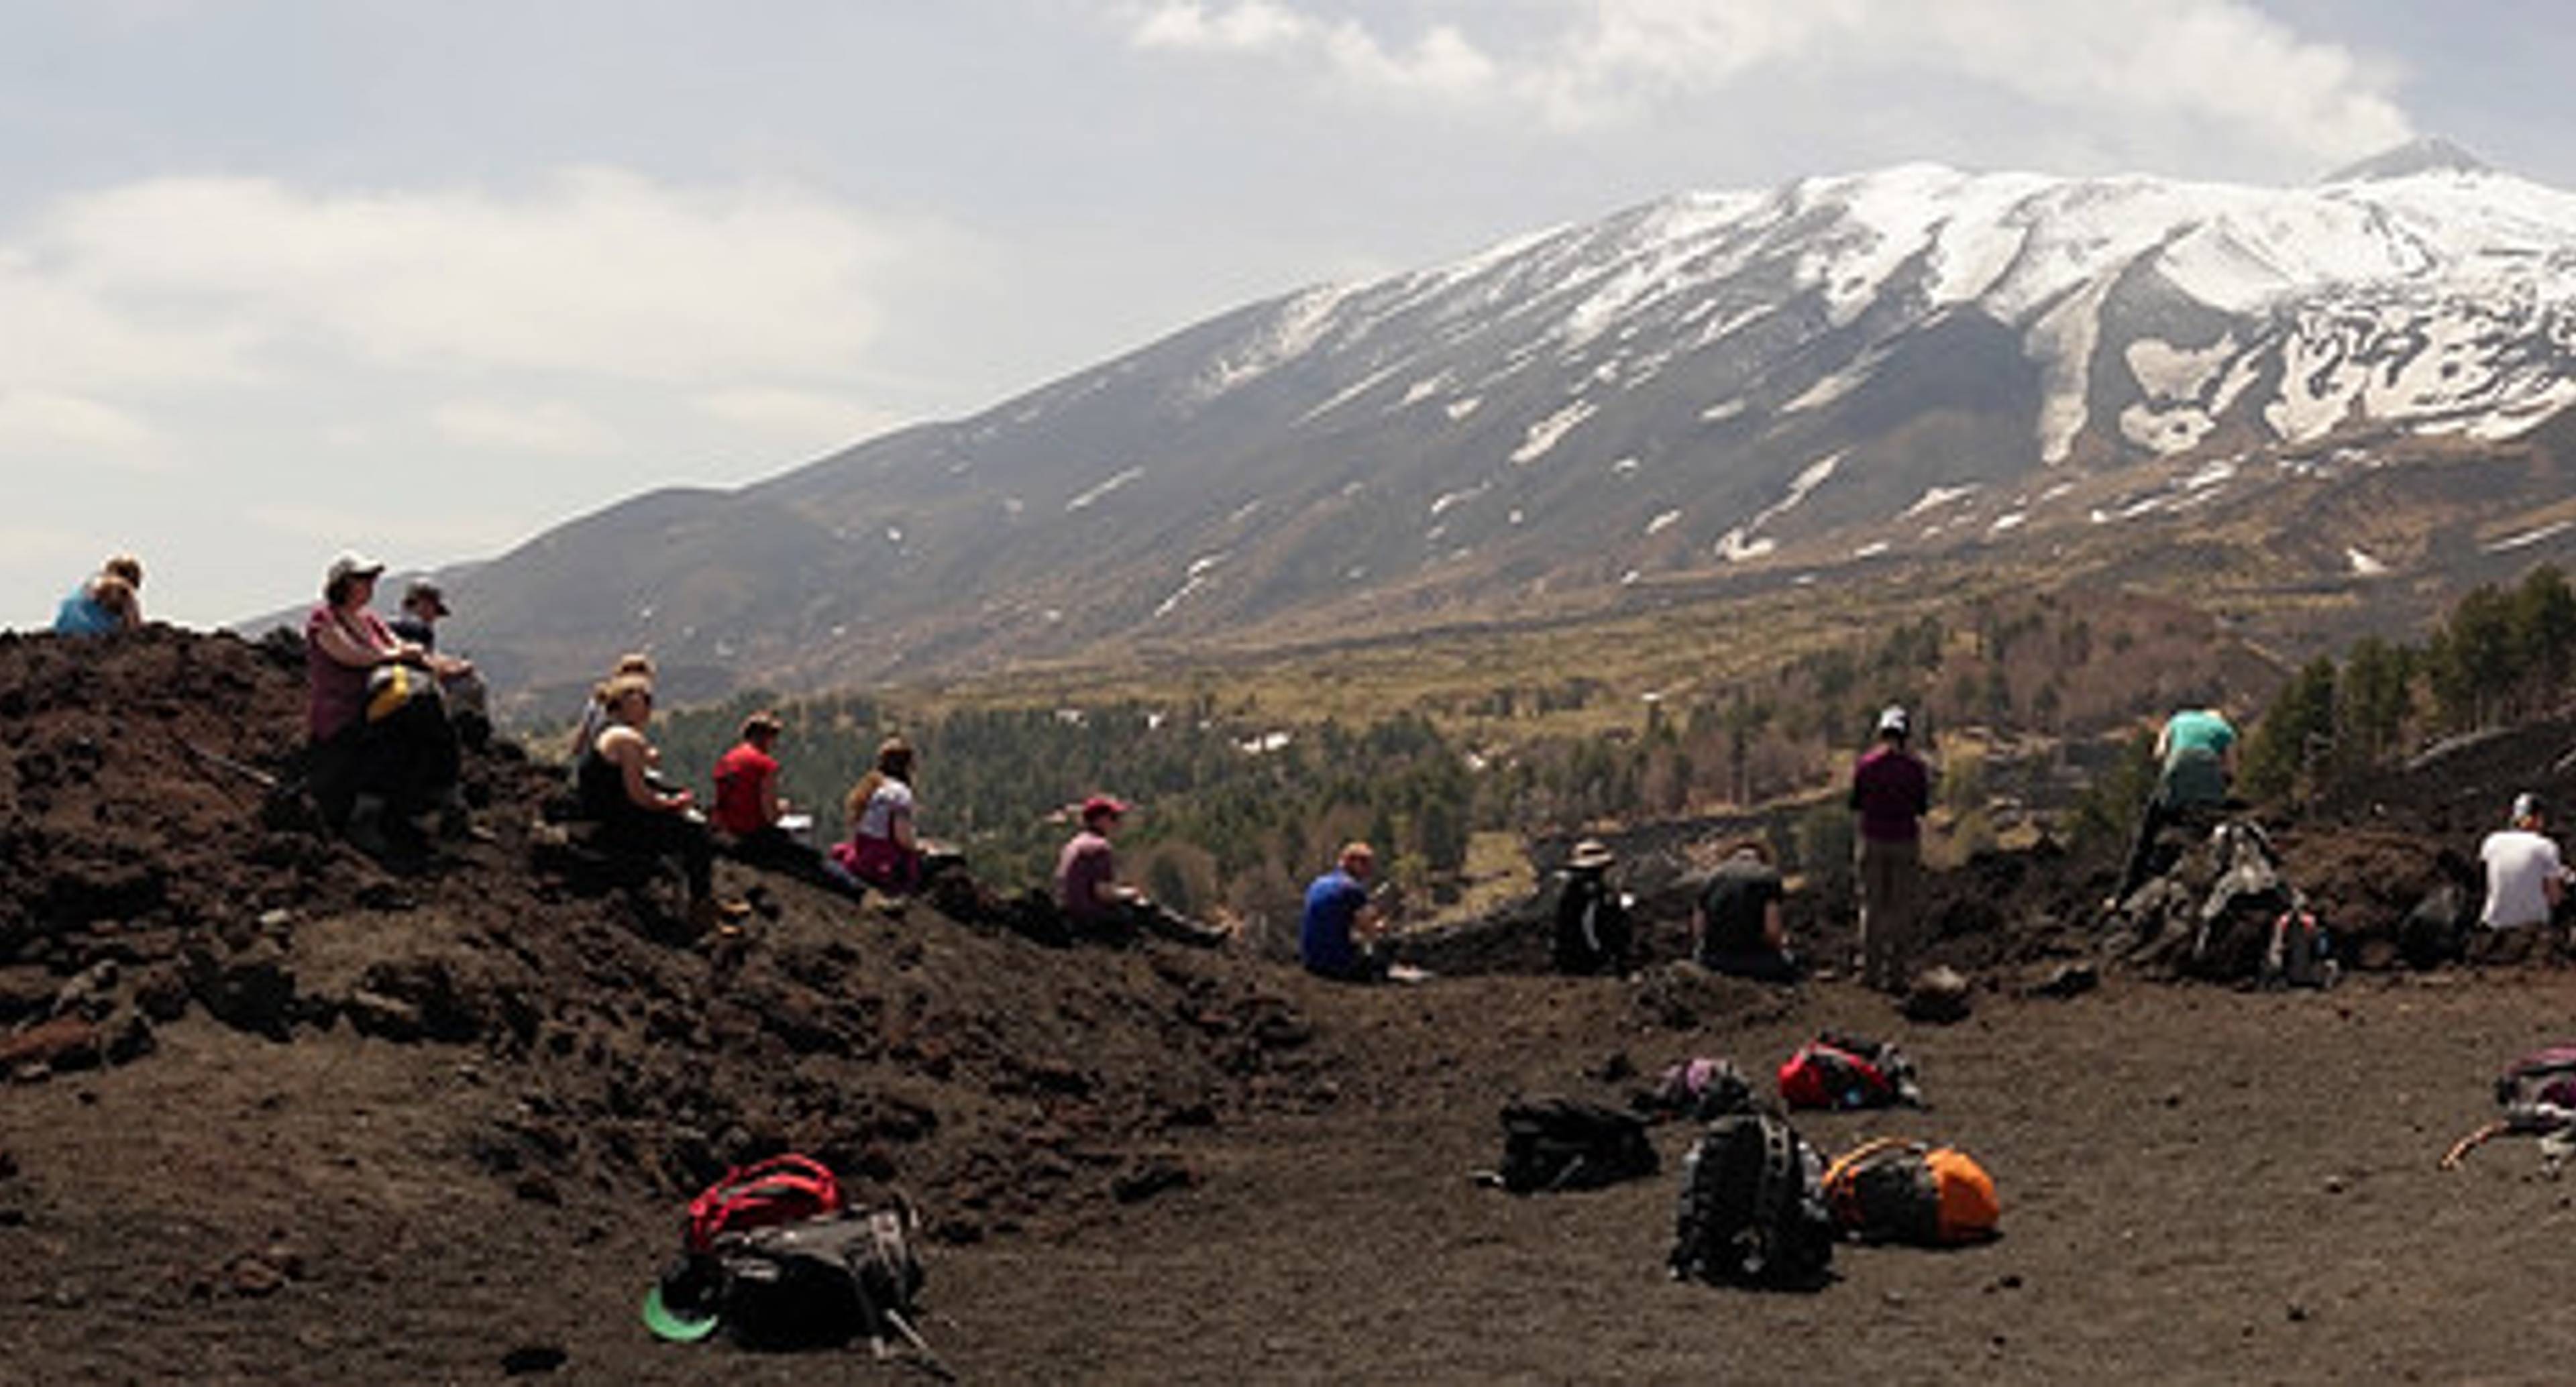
106, 602
1342, 923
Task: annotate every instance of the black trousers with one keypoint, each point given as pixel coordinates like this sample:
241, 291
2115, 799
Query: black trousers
643, 833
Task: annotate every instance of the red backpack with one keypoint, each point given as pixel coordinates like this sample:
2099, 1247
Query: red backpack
782, 1189
1840, 1071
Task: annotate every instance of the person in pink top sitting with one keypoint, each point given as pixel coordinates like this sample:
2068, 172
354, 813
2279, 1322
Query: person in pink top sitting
382, 752
883, 849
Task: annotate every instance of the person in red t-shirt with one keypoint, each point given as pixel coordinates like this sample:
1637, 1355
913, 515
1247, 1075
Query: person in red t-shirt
1890, 792
750, 812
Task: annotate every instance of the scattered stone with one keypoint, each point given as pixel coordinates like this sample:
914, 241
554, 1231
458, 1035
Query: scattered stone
2334, 1184
1895, 1300
1151, 1177
126, 1037
276, 919
1940, 995
527, 1359
386, 1018
2068, 980
252, 990
62, 1044
254, 1276
2298, 1313
90, 992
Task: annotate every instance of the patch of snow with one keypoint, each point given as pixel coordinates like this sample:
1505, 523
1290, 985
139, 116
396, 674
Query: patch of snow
1722, 410
1735, 547
894, 534
2056, 491
1629, 579
2528, 538
1421, 390
1084, 501
1833, 387
1662, 522
1624, 466
2363, 563
1871, 550
2010, 520
1244, 512
1514, 518
1544, 434
2209, 475
1452, 498
1289, 333
1266, 743
1460, 409
1935, 498
1013, 505
1349, 393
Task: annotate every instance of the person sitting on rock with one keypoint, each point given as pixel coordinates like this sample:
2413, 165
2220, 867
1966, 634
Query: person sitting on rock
383, 754
1735, 925
469, 703
753, 817
637, 814
1096, 903
2525, 882
1592, 927
1340, 929
882, 849
106, 602
594, 713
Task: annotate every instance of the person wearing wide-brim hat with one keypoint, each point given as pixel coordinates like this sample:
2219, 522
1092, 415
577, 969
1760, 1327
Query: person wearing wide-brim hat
1593, 932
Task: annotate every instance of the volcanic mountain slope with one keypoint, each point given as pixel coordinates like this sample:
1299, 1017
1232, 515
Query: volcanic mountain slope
274, 1116
1853, 370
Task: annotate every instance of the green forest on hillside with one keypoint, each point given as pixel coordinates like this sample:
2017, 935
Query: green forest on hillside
1244, 800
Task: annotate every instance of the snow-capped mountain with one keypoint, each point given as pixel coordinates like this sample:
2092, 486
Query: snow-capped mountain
1840, 370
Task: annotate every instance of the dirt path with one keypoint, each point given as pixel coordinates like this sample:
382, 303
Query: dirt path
2200, 1186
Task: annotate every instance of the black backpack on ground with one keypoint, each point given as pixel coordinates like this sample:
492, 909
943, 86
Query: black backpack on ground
1569, 1144
824, 1281
1752, 1209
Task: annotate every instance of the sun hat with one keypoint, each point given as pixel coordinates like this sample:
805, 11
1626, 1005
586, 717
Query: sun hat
1098, 805
2526, 806
1590, 853
1892, 721
349, 563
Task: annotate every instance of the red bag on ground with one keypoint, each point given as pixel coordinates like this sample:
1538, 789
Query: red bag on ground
782, 1189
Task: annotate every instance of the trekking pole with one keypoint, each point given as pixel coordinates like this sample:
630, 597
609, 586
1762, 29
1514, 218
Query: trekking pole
246, 771
929, 1360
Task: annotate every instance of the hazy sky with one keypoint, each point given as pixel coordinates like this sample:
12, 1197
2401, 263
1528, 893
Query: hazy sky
425, 278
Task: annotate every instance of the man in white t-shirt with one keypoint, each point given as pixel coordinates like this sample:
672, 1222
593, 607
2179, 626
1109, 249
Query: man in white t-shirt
2525, 879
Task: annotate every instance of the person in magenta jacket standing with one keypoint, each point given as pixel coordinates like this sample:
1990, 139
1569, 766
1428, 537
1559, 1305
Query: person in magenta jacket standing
1890, 791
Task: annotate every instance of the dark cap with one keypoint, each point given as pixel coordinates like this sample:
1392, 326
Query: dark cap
426, 594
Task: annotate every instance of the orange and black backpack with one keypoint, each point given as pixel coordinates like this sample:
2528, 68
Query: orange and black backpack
1892, 1190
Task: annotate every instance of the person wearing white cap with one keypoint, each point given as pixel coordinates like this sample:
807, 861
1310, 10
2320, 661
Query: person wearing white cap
2525, 881
1890, 792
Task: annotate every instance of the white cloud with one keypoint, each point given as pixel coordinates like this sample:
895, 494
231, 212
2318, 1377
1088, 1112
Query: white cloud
42, 424
1442, 62
551, 429
2211, 62
1244, 27
596, 271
